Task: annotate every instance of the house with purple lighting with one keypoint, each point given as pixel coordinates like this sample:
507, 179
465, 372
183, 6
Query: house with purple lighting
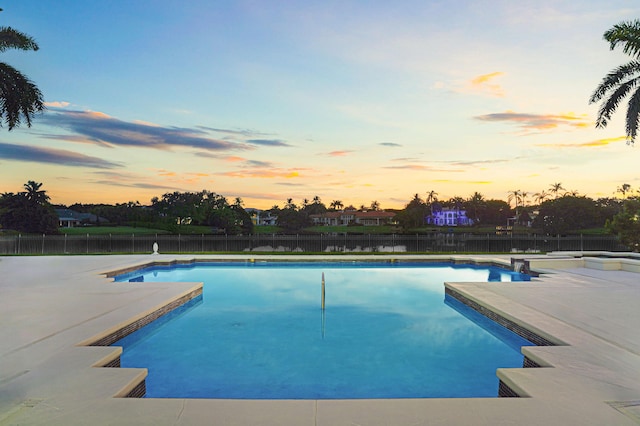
449, 217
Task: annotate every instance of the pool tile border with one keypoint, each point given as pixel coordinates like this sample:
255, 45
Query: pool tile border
135, 325
520, 330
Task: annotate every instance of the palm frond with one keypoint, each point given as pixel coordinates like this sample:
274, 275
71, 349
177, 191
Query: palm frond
14, 39
625, 33
614, 78
633, 116
20, 98
613, 101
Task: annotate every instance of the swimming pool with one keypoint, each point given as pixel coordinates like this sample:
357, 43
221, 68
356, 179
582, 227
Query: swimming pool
258, 332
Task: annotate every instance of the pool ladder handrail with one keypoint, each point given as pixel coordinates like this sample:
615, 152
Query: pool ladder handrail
322, 305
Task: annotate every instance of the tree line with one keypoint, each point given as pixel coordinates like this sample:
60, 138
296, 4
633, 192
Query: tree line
31, 211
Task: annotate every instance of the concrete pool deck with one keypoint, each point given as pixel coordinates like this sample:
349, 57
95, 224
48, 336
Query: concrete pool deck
50, 305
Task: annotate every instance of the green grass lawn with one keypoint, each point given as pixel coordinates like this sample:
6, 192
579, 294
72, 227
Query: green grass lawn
114, 230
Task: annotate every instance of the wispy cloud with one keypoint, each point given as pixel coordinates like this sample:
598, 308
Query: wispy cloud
131, 180
102, 129
484, 84
53, 156
537, 121
590, 144
481, 85
391, 144
420, 167
341, 153
267, 142
258, 163
263, 173
240, 132
479, 162
56, 104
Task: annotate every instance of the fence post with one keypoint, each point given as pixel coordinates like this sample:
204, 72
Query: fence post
581, 243
19, 240
133, 243
558, 242
42, 243
65, 244
179, 244
201, 242
87, 243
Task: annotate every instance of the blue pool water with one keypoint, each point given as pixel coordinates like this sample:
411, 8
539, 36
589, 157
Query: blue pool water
258, 332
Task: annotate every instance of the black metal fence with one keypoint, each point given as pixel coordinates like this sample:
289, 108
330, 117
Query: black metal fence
347, 243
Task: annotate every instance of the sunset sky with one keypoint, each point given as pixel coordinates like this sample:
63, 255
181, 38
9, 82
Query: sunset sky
347, 100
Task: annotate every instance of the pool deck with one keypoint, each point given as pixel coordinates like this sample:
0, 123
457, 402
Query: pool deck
51, 305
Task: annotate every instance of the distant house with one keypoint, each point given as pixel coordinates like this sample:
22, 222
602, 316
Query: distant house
449, 217
347, 217
68, 218
262, 217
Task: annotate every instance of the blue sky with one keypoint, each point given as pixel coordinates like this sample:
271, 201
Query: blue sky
353, 101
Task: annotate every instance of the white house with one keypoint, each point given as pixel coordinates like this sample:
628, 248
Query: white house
262, 217
449, 217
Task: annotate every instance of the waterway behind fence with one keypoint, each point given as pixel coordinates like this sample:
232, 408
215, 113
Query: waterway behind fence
322, 243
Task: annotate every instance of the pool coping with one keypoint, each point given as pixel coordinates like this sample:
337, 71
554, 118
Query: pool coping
592, 381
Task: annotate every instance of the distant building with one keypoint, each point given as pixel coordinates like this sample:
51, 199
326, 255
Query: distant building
347, 217
449, 217
262, 217
68, 218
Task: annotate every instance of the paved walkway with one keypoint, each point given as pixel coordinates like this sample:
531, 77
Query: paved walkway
48, 305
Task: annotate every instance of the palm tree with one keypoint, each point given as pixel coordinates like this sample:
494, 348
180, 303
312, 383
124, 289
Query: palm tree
541, 196
34, 193
336, 205
623, 80
555, 188
432, 196
20, 98
514, 195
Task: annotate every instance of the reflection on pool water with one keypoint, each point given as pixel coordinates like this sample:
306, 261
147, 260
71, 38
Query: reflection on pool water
258, 332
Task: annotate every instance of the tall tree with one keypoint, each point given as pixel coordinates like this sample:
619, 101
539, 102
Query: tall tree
555, 189
23, 213
34, 193
474, 205
622, 81
20, 98
336, 205
516, 196
432, 196
541, 196
414, 213
568, 214
624, 189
